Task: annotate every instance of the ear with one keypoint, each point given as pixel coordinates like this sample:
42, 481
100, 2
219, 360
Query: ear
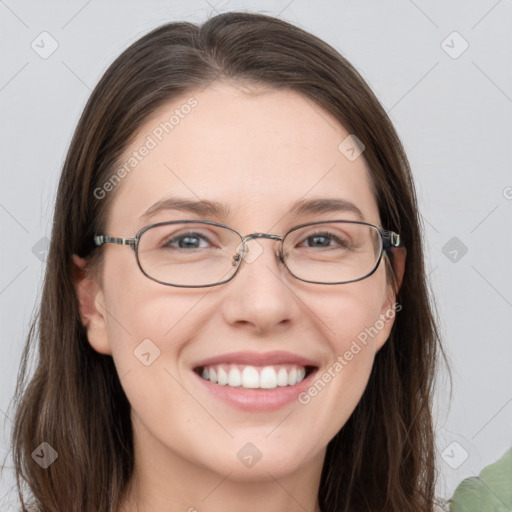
91, 306
389, 304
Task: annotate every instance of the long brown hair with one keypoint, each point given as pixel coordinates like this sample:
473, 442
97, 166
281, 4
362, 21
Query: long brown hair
383, 457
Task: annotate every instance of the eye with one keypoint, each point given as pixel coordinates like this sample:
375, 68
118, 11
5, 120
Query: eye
325, 239
191, 240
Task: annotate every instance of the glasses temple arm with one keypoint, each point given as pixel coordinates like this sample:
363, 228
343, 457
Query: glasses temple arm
99, 240
391, 240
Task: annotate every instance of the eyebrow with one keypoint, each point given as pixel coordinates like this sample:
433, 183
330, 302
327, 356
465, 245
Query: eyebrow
203, 207
220, 210
321, 205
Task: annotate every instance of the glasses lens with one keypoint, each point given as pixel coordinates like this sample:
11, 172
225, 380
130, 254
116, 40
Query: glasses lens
332, 252
188, 254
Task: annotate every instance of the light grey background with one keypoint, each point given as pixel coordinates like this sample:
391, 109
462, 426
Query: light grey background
452, 110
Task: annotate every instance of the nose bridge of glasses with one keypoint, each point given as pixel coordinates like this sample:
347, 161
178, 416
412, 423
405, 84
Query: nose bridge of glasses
242, 250
261, 235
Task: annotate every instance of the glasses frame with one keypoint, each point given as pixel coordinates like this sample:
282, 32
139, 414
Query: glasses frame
389, 240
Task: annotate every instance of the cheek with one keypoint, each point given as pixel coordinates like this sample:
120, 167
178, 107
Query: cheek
148, 335
146, 328
148, 323
352, 312
353, 325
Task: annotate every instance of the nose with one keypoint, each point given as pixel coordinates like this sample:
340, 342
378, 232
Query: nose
259, 298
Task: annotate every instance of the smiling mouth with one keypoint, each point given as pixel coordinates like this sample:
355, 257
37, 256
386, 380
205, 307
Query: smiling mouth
254, 377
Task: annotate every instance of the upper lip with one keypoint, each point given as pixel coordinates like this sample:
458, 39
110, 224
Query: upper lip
257, 359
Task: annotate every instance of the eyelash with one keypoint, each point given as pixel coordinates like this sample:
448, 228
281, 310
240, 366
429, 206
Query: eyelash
329, 236
192, 234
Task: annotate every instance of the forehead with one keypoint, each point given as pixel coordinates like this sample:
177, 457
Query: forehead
257, 151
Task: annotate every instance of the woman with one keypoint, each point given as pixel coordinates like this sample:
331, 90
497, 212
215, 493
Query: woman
266, 340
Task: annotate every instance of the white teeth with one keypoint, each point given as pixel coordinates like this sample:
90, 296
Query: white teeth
234, 378
282, 377
251, 377
292, 377
222, 376
268, 378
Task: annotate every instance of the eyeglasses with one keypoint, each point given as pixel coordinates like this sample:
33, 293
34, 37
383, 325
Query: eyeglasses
191, 253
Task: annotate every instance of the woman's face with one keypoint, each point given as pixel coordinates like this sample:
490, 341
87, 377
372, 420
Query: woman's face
255, 152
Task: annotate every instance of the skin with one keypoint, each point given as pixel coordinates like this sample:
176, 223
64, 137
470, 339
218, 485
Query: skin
258, 151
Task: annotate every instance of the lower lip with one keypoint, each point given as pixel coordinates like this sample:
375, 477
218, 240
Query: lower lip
257, 399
